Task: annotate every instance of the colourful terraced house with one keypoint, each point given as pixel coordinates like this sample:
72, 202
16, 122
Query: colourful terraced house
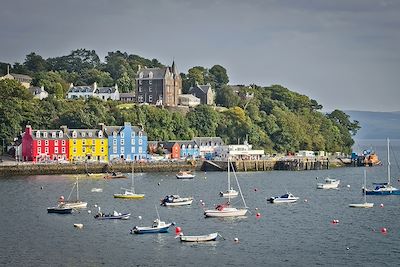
87, 145
126, 142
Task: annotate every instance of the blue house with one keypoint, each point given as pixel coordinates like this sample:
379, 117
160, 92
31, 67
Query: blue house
189, 149
126, 142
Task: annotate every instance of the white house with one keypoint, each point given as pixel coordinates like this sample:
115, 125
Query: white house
39, 92
86, 91
239, 152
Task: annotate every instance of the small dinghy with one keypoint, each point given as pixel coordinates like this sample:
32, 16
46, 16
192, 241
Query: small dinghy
185, 175
286, 198
329, 184
98, 190
176, 200
198, 238
115, 175
366, 204
112, 216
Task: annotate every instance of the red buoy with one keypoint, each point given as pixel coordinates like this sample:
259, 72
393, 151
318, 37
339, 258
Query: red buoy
383, 230
258, 215
381, 205
178, 230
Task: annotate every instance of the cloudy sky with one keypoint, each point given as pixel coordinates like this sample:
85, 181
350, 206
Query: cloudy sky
343, 53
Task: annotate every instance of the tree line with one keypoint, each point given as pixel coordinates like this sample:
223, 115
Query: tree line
273, 118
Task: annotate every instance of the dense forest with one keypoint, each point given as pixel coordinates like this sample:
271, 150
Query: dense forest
274, 118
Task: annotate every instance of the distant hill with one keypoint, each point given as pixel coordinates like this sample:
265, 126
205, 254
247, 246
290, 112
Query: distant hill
377, 125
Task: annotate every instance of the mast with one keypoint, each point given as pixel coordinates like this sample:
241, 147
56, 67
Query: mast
229, 180
77, 189
132, 180
365, 185
388, 156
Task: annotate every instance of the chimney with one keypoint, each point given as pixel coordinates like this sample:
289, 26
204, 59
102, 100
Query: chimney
116, 86
95, 85
28, 130
139, 67
64, 128
71, 85
102, 126
8, 69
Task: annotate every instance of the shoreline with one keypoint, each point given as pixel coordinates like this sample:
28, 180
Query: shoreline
290, 164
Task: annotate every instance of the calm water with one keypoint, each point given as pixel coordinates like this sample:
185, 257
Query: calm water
300, 234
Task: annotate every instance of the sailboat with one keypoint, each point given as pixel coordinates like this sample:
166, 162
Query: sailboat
365, 204
384, 188
230, 192
130, 193
226, 210
74, 204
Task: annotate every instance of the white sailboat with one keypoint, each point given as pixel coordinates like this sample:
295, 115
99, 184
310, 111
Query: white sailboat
230, 192
226, 210
74, 204
365, 204
129, 193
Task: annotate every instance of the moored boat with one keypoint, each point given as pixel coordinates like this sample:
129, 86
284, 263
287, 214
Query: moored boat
198, 238
286, 198
157, 227
130, 193
74, 204
329, 184
60, 209
185, 175
176, 200
115, 175
229, 193
112, 216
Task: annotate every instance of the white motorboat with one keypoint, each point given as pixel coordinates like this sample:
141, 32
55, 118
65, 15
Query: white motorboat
198, 238
329, 184
176, 200
185, 175
286, 198
226, 210
365, 204
157, 227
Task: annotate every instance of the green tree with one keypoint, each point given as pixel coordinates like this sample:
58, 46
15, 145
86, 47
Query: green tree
204, 120
35, 63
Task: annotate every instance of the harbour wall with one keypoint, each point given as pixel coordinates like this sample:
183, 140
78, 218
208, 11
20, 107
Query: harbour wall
175, 166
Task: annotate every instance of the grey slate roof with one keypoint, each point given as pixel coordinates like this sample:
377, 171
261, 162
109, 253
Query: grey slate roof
84, 133
105, 90
126, 95
206, 141
81, 89
158, 73
49, 134
21, 76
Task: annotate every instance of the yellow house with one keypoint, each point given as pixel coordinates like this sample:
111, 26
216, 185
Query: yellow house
25, 80
87, 145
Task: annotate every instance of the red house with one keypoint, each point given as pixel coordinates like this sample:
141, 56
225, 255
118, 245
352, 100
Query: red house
44, 145
173, 148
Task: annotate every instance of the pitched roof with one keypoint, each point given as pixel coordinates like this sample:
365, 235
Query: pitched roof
81, 89
204, 88
204, 140
158, 73
48, 134
106, 90
21, 76
85, 133
123, 95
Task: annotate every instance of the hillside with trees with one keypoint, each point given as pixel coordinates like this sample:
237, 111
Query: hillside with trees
274, 118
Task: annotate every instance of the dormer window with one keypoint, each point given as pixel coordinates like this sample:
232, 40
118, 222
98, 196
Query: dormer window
74, 134
141, 75
122, 135
37, 134
150, 75
90, 134
115, 134
189, 146
53, 134
140, 134
83, 134
133, 134
45, 134
100, 134
183, 146
60, 134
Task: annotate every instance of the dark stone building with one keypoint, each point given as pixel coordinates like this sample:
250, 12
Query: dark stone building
158, 86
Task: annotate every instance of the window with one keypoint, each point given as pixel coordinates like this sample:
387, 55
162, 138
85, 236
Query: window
100, 134
74, 142
114, 142
53, 134
122, 150
60, 134
133, 149
45, 134
122, 142
140, 82
37, 134
90, 134
122, 134
93, 142
74, 150
150, 75
140, 134
83, 134
133, 134
83, 142
150, 98
56, 150
102, 142
114, 134
114, 150
140, 89
39, 142
83, 149
140, 150
102, 150
140, 98
150, 89
140, 141
56, 142
46, 149
141, 74
39, 150
74, 134
46, 142
133, 141
150, 82
63, 150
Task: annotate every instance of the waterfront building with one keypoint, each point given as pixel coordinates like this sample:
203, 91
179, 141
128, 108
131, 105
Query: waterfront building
128, 143
158, 86
171, 148
104, 93
208, 145
44, 145
238, 152
188, 149
204, 93
87, 145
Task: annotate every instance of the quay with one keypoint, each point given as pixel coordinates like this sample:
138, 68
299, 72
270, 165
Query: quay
287, 164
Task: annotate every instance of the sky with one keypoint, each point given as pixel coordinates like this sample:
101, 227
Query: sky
344, 53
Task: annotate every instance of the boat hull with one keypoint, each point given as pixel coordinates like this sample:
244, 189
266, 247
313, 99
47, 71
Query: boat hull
226, 212
279, 200
75, 205
136, 196
199, 238
124, 216
184, 176
150, 230
362, 205
382, 193
59, 210
180, 203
